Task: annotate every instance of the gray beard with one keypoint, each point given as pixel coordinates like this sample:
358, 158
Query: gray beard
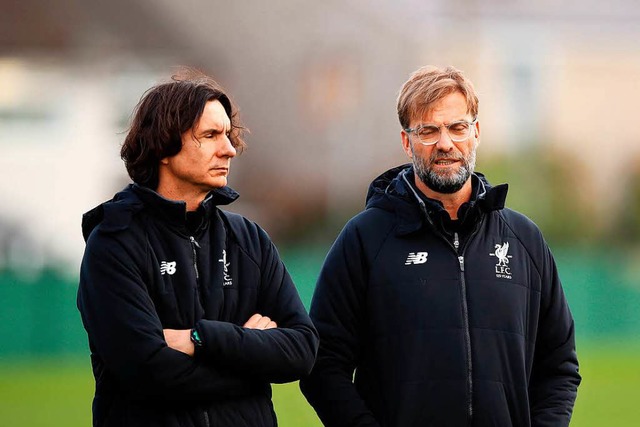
444, 183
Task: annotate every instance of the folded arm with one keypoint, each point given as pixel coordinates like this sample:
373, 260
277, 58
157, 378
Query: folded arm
275, 354
126, 334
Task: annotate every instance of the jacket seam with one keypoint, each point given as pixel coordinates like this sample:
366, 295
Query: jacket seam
382, 242
226, 223
526, 248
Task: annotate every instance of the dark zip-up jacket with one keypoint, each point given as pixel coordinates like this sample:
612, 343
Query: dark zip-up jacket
441, 330
143, 272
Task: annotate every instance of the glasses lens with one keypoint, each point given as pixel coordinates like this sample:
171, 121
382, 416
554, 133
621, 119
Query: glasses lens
459, 131
428, 134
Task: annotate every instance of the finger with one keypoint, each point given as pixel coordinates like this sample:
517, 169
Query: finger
271, 325
263, 322
253, 321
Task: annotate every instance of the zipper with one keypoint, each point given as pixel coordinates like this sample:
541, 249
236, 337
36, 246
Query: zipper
465, 318
463, 288
194, 245
465, 311
465, 308
467, 336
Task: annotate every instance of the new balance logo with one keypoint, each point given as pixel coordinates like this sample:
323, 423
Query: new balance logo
167, 267
416, 258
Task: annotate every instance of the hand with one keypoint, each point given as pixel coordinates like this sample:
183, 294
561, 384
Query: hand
258, 321
180, 339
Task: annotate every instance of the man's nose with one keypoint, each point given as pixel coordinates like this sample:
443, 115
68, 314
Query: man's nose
227, 149
444, 143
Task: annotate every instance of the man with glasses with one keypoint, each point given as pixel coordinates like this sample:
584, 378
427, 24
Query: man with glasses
438, 306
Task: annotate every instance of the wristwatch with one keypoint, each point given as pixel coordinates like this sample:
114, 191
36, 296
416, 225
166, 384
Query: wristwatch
195, 338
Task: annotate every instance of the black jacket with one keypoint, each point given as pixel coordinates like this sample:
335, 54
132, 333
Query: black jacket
441, 330
143, 271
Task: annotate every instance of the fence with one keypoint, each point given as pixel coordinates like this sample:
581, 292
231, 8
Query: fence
39, 315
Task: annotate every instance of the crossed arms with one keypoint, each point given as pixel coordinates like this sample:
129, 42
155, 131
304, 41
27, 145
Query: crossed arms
127, 335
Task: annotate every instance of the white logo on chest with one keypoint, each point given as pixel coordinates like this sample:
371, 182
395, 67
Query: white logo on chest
167, 268
416, 258
226, 278
503, 271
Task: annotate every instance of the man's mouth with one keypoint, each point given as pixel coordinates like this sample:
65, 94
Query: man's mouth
445, 162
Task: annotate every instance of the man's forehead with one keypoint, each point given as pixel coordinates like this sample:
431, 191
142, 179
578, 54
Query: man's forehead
453, 102
214, 115
427, 115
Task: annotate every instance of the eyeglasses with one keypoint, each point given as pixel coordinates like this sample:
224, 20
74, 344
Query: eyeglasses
429, 134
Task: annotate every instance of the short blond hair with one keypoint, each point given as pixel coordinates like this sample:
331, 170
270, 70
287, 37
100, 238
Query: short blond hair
430, 84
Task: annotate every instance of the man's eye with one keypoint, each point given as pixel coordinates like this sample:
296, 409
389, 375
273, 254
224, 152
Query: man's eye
459, 127
428, 131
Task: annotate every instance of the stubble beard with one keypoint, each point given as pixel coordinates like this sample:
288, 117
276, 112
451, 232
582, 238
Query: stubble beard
444, 182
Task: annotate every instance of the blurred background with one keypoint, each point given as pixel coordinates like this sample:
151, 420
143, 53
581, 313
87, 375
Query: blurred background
316, 83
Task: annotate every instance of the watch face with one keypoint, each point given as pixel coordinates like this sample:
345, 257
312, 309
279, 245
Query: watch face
195, 337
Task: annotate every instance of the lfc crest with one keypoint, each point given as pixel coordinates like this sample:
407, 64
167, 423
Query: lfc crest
503, 270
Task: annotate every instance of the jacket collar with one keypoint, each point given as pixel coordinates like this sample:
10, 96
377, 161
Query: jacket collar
393, 191
116, 214
174, 211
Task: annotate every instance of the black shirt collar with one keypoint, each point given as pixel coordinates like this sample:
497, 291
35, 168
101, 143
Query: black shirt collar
435, 208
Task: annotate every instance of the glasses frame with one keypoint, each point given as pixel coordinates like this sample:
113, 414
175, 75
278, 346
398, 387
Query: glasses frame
418, 128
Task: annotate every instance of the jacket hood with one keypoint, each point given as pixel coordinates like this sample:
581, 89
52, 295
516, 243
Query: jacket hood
393, 192
116, 214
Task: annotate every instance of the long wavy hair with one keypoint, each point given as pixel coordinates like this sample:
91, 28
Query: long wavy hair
163, 114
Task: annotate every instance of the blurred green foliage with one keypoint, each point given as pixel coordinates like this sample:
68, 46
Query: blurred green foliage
542, 187
627, 225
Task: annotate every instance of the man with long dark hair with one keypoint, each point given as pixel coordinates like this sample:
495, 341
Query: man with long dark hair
189, 310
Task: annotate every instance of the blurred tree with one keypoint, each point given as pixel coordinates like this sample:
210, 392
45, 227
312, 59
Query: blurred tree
542, 187
626, 227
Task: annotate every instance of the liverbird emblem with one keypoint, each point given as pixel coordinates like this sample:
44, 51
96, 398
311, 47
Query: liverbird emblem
501, 253
503, 270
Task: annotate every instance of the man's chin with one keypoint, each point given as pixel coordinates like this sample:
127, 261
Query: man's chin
445, 189
217, 183
440, 184
220, 182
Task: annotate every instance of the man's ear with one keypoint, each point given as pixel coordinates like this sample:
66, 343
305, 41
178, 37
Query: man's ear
477, 130
406, 144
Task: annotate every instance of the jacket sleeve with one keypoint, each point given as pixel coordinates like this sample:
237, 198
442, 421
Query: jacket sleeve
555, 378
277, 355
338, 310
126, 334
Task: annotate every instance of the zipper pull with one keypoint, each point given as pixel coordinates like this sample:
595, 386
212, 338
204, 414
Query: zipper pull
194, 242
456, 241
461, 261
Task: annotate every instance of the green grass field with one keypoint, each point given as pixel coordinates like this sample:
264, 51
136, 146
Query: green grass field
50, 392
